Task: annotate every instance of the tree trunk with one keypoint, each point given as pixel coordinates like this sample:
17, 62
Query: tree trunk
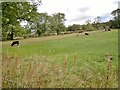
11, 36
58, 32
39, 34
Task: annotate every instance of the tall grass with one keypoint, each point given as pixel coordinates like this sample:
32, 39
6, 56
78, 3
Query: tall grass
41, 72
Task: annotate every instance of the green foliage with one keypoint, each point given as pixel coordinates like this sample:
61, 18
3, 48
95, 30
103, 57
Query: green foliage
74, 27
116, 22
19, 31
15, 12
81, 28
90, 27
4, 36
116, 13
59, 20
46, 24
41, 23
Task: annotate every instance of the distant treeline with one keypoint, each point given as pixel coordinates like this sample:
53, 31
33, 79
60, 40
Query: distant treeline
41, 24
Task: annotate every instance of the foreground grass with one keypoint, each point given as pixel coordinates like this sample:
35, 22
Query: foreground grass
58, 62
41, 72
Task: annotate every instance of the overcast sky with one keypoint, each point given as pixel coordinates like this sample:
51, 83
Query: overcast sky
78, 11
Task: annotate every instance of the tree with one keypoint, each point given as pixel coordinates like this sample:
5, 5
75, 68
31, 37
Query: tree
47, 24
74, 27
59, 20
97, 23
116, 21
15, 12
42, 22
89, 26
116, 14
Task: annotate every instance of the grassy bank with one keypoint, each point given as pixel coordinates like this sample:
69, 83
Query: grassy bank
62, 61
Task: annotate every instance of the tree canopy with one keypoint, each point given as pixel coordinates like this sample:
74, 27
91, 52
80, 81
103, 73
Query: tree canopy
15, 12
42, 24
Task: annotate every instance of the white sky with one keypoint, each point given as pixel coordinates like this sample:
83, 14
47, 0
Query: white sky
78, 11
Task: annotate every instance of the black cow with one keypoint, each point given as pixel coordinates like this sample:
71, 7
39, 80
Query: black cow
86, 33
15, 43
109, 29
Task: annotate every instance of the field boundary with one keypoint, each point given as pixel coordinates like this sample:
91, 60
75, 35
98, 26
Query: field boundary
45, 38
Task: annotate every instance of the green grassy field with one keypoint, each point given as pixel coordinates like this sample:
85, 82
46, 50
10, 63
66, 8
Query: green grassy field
77, 56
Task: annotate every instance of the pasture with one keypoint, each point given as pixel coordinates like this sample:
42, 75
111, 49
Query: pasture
62, 61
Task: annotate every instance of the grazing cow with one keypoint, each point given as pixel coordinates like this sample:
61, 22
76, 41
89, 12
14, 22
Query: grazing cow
109, 29
86, 33
15, 43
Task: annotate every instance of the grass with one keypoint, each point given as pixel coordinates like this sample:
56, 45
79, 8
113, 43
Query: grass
58, 61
